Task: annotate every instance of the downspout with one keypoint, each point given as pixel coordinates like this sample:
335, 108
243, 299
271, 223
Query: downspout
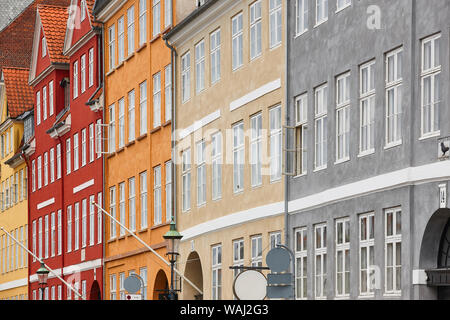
27, 161
286, 93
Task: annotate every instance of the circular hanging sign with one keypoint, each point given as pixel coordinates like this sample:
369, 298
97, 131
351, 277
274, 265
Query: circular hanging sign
250, 285
278, 259
132, 284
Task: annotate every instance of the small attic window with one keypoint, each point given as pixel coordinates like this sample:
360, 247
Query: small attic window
44, 47
200, 2
83, 10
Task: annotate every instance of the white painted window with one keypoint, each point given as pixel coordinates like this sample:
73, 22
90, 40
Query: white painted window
216, 158
301, 263
46, 239
130, 30
132, 204
321, 11
430, 86
83, 288
256, 250
91, 68
274, 239
122, 207
33, 175
38, 112
83, 223
99, 218
53, 293
82, 10
45, 171
320, 124
75, 79
256, 149
366, 253
99, 140
237, 41
143, 198
143, 274
186, 77
168, 93
68, 156
168, 188
112, 212
320, 261
156, 10
44, 47
143, 107
342, 233
142, 22
186, 179
341, 4
51, 93
53, 234
157, 100
121, 39
301, 16
52, 165
131, 116
238, 256
275, 143
157, 206
44, 104
167, 13
76, 152
39, 174
238, 157
77, 226
58, 161
60, 292
367, 108
216, 269
200, 66
83, 147
301, 145
275, 22
91, 220
394, 97
215, 56
121, 123
91, 142
112, 46
112, 129
121, 285
342, 117
201, 172
83, 73
393, 251
255, 30
112, 287
69, 228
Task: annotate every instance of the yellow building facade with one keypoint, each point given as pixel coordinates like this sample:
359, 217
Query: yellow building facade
14, 102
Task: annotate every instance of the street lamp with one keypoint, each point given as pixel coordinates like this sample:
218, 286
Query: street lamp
174, 238
42, 274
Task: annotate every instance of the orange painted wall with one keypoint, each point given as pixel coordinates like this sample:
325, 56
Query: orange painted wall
123, 254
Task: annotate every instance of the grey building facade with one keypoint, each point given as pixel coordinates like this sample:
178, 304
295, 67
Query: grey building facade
368, 125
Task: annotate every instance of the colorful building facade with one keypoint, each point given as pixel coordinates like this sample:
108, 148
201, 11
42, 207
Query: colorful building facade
138, 167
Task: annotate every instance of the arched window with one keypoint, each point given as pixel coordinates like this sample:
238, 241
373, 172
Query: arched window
444, 248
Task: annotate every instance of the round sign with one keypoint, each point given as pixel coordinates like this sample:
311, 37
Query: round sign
278, 259
250, 285
132, 284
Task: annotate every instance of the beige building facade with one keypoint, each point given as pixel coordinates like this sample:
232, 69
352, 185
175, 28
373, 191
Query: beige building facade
229, 136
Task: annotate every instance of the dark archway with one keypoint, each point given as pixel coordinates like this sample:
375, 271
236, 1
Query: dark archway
161, 285
95, 293
194, 273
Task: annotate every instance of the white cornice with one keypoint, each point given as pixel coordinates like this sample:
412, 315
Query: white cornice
110, 10
84, 39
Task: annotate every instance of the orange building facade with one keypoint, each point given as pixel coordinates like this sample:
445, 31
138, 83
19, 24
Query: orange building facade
137, 141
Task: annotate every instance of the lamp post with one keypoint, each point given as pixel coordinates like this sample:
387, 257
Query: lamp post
42, 274
174, 238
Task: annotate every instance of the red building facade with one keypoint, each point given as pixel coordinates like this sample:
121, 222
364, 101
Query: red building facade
66, 171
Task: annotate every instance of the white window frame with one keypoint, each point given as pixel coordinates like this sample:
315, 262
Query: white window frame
112, 212
156, 19
301, 263
200, 66
168, 190
69, 228
76, 152
394, 85
216, 165
237, 23
238, 156
130, 30
112, 128
112, 47
320, 251
83, 73
122, 212
256, 250
131, 115
367, 108
68, 156
320, 123
214, 44
157, 100
186, 180
343, 118
121, 39
143, 122
44, 105
132, 203
91, 68
342, 4
301, 16
256, 149
366, 261
186, 77
167, 13
75, 80
168, 93
276, 144
201, 172
77, 226
121, 124
157, 196
321, 11
143, 201
216, 270
275, 23
393, 239
83, 147
342, 266
142, 22
255, 29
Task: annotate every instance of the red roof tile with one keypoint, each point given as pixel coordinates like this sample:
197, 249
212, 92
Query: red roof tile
19, 95
54, 22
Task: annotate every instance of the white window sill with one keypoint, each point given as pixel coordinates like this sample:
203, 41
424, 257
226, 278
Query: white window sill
393, 295
238, 192
276, 46
256, 57
367, 296
342, 297
275, 180
430, 135
342, 160
201, 205
320, 22
366, 153
300, 34
186, 211
300, 175
392, 145
319, 169
345, 7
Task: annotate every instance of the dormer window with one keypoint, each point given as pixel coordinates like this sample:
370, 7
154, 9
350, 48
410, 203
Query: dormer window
44, 47
83, 10
200, 2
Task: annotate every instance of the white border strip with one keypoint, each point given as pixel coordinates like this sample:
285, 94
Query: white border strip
255, 94
84, 266
233, 219
83, 186
408, 176
45, 203
13, 284
199, 124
